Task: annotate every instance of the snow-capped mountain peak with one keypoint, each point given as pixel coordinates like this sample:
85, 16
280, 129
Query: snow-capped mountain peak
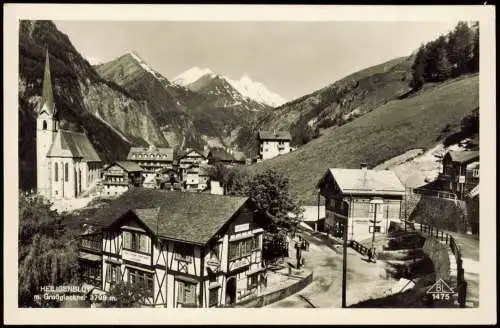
245, 85
256, 91
191, 75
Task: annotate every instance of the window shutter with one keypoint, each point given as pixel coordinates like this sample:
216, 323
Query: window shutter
143, 242
127, 239
190, 294
180, 297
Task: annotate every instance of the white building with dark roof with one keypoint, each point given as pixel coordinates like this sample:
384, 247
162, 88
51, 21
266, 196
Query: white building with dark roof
120, 177
367, 200
152, 160
67, 163
273, 143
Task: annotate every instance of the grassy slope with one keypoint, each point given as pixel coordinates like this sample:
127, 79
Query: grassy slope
388, 131
357, 93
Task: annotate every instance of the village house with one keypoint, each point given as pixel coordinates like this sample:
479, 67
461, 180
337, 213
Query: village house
460, 172
272, 144
361, 196
152, 160
191, 177
67, 164
188, 159
187, 249
220, 155
168, 179
120, 177
203, 177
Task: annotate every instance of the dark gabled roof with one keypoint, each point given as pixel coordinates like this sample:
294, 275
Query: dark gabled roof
73, 144
126, 165
218, 154
183, 153
463, 156
145, 153
277, 135
364, 181
184, 216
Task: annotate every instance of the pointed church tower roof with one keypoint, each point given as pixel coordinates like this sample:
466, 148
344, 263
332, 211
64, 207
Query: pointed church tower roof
47, 103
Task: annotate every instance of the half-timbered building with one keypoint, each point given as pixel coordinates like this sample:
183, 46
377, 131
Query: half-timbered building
187, 249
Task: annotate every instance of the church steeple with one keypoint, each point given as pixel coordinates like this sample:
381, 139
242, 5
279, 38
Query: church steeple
47, 103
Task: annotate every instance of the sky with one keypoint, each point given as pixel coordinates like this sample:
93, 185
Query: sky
291, 59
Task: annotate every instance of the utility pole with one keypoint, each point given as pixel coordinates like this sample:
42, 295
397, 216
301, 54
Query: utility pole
344, 263
374, 224
375, 202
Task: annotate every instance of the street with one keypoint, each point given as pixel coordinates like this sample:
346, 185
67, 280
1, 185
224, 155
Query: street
364, 280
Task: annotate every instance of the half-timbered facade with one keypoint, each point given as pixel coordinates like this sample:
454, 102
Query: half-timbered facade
366, 200
187, 249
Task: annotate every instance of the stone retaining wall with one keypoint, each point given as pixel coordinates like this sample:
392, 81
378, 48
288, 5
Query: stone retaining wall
278, 295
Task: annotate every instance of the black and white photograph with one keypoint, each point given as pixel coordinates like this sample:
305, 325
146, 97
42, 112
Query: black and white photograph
250, 164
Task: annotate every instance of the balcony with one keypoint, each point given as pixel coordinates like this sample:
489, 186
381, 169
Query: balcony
92, 243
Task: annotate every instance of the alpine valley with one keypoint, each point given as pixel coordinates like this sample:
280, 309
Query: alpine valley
125, 102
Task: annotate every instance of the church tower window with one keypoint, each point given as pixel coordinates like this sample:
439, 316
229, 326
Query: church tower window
56, 172
44, 125
66, 172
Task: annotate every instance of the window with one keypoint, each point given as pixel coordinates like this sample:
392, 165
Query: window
44, 125
186, 293
66, 172
360, 210
183, 252
91, 272
242, 248
253, 281
475, 173
113, 274
377, 229
142, 278
56, 172
214, 253
393, 210
136, 241
213, 297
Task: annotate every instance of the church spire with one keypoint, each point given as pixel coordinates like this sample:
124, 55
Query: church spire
47, 103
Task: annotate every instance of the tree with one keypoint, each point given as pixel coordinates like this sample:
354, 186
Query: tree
443, 66
418, 69
460, 43
474, 62
270, 192
48, 252
125, 295
218, 172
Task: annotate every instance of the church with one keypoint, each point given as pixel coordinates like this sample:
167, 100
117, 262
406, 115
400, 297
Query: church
67, 163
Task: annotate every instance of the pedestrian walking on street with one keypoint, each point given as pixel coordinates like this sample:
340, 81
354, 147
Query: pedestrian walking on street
370, 254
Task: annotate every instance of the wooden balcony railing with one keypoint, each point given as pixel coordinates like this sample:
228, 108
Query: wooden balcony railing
94, 243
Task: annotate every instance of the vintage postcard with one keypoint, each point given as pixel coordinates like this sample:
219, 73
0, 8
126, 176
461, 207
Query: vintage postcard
249, 164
